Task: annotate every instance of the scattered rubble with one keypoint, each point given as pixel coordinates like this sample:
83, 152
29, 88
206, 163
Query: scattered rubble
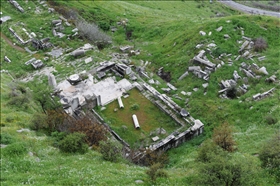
16, 5
41, 44
37, 64
271, 79
260, 96
219, 29
7, 59
202, 33
4, 19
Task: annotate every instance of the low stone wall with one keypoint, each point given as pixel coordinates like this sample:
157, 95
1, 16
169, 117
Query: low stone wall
174, 140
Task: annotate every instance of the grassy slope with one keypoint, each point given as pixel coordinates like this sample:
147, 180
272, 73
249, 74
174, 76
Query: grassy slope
157, 26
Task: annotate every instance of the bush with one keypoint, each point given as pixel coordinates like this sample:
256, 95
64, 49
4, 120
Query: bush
222, 136
110, 150
15, 149
9, 119
104, 25
260, 44
6, 138
270, 119
57, 136
94, 131
156, 171
19, 101
208, 150
73, 143
224, 170
135, 106
39, 121
270, 156
153, 157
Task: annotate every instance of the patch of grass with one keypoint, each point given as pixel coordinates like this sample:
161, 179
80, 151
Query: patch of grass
149, 116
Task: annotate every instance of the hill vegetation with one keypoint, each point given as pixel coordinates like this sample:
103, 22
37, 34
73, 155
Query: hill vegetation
167, 35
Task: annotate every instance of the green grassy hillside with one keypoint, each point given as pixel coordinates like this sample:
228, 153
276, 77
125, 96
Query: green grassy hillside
166, 33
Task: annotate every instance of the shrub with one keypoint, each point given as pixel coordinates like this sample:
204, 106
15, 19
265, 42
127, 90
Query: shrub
153, 157
110, 150
15, 149
19, 101
208, 150
222, 136
73, 143
57, 136
271, 119
260, 44
94, 131
224, 170
6, 138
104, 25
39, 121
135, 106
9, 119
156, 171
270, 156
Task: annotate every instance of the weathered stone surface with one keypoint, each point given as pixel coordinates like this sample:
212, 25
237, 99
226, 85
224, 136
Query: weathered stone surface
226, 36
219, 29
202, 33
23, 130
88, 60
139, 181
271, 79
205, 85
263, 70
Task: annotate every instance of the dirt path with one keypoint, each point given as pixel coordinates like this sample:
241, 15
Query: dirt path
11, 43
249, 10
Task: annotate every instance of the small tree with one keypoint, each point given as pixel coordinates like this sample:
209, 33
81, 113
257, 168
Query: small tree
73, 143
270, 156
94, 131
222, 136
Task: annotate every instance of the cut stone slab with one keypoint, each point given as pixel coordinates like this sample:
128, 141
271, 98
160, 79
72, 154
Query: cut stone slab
23, 130
3, 145
195, 89
155, 138
205, 85
184, 93
219, 29
189, 93
88, 60
226, 36
151, 81
199, 46
202, 33
261, 58
211, 45
126, 96
139, 181
263, 70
